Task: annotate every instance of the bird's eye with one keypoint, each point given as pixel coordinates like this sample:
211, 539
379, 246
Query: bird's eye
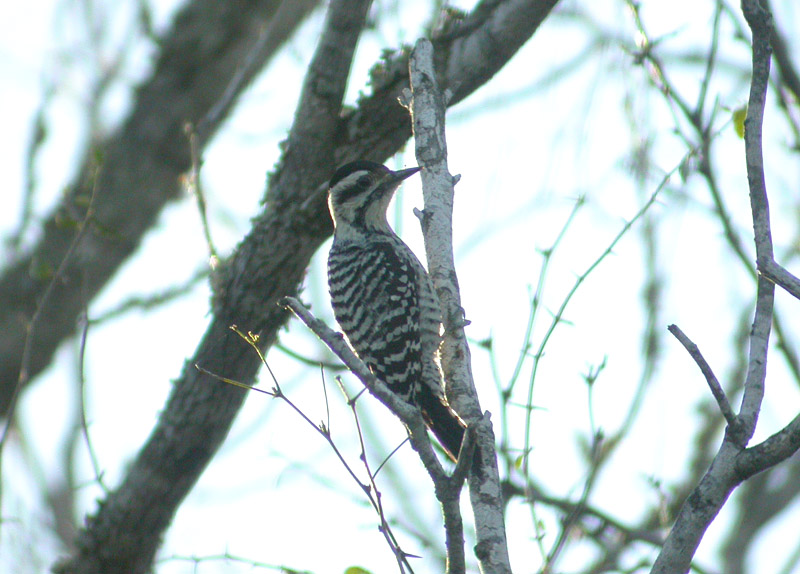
364, 181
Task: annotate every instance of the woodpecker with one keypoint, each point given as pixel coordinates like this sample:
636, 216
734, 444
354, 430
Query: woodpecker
383, 298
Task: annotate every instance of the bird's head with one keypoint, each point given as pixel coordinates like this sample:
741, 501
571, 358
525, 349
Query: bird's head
360, 193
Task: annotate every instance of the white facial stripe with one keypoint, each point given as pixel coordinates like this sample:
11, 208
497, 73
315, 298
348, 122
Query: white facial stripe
351, 180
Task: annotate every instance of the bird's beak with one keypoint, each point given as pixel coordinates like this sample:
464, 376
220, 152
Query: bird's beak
402, 174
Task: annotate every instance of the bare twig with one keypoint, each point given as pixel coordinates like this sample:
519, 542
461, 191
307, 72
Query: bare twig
195, 187
708, 373
547, 258
400, 555
409, 415
310, 361
151, 301
370, 491
32, 154
573, 517
84, 423
558, 318
83, 227
760, 22
336, 343
447, 488
506, 391
227, 559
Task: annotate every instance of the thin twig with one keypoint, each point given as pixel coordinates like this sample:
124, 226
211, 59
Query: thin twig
558, 317
310, 361
195, 186
506, 392
400, 555
574, 515
98, 473
370, 491
32, 153
708, 373
22, 379
409, 415
447, 488
151, 301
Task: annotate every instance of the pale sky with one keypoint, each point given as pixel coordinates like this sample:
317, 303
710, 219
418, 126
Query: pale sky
275, 494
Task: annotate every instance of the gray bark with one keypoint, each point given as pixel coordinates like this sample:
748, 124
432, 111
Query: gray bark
139, 170
139, 174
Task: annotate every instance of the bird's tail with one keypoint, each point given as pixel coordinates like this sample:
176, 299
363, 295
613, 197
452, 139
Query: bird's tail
443, 421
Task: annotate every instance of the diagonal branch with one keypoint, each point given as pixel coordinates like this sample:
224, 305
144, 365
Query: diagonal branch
141, 165
270, 263
409, 415
126, 532
708, 373
780, 276
772, 451
447, 488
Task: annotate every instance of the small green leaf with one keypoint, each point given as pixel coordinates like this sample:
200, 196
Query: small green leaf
520, 460
357, 570
739, 116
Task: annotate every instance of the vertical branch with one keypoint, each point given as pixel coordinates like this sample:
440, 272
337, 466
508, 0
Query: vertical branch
760, 21
724, 475
428, 119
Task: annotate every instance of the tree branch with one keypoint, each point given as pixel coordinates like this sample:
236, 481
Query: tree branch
428, 116
711, 378
269, 264
722, 477
141, 166
447, 488
760, 21
772, 451
780, 276
407, 414
126, 532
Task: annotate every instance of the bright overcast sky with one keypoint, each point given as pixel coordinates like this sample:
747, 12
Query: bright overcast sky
526, 150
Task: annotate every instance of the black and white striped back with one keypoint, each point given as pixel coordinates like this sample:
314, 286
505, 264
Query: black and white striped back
383, 299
